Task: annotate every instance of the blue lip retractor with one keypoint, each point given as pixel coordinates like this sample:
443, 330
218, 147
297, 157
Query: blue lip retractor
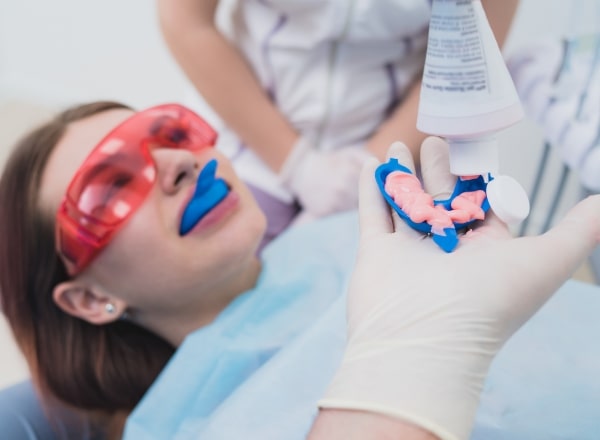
208, 193
446, 242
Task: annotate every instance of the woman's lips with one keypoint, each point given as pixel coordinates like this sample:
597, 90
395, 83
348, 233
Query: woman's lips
218, 213
208, 193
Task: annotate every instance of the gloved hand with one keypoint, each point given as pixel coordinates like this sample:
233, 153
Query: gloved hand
323, 182
424, 325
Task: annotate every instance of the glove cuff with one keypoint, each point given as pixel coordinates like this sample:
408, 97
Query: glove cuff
301, 149
428, 386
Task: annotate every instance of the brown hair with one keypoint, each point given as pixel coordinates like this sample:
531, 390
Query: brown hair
103, 368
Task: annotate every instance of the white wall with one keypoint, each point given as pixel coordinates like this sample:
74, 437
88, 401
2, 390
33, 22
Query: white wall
64, 51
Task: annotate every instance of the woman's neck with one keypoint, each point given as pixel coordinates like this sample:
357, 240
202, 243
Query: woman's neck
175, 325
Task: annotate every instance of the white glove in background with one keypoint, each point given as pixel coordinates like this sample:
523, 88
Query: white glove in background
323, 182
558, 82
424, 325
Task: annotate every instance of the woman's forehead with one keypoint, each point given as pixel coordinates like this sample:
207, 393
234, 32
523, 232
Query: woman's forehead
70, 152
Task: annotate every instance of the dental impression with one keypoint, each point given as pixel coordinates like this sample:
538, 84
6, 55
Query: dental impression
210, 191
440, 218
467, 95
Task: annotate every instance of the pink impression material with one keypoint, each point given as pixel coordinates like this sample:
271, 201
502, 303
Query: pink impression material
408, 194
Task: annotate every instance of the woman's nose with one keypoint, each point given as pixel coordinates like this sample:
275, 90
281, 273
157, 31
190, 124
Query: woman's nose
176, 168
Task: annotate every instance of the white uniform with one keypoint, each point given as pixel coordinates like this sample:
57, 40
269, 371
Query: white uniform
334, 68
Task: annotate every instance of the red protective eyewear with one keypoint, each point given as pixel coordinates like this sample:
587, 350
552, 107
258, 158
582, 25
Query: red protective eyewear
117, 176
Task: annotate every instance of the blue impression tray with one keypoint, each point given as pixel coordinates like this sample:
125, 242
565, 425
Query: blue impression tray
449, 241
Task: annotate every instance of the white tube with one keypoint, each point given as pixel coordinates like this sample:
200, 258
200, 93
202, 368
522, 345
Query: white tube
467, 92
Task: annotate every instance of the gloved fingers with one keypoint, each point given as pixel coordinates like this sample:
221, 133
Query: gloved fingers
577, 234
435, 168
400, 151
340, 194
343, 185
324, 183
348, 170
374, 213
550, 259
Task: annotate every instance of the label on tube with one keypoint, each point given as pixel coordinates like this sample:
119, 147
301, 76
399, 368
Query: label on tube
465, 74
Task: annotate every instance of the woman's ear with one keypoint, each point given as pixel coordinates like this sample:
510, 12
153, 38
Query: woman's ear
81, 301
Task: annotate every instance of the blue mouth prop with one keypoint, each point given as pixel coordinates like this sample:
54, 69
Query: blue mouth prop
208, 194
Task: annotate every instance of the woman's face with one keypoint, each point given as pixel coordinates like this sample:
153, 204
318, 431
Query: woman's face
148, 264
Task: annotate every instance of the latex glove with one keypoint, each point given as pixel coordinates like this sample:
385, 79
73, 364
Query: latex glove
424, 325
323, 182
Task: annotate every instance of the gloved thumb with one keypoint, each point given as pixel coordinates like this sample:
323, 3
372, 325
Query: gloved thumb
374, 214
435, 168
549, 259
578, 233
